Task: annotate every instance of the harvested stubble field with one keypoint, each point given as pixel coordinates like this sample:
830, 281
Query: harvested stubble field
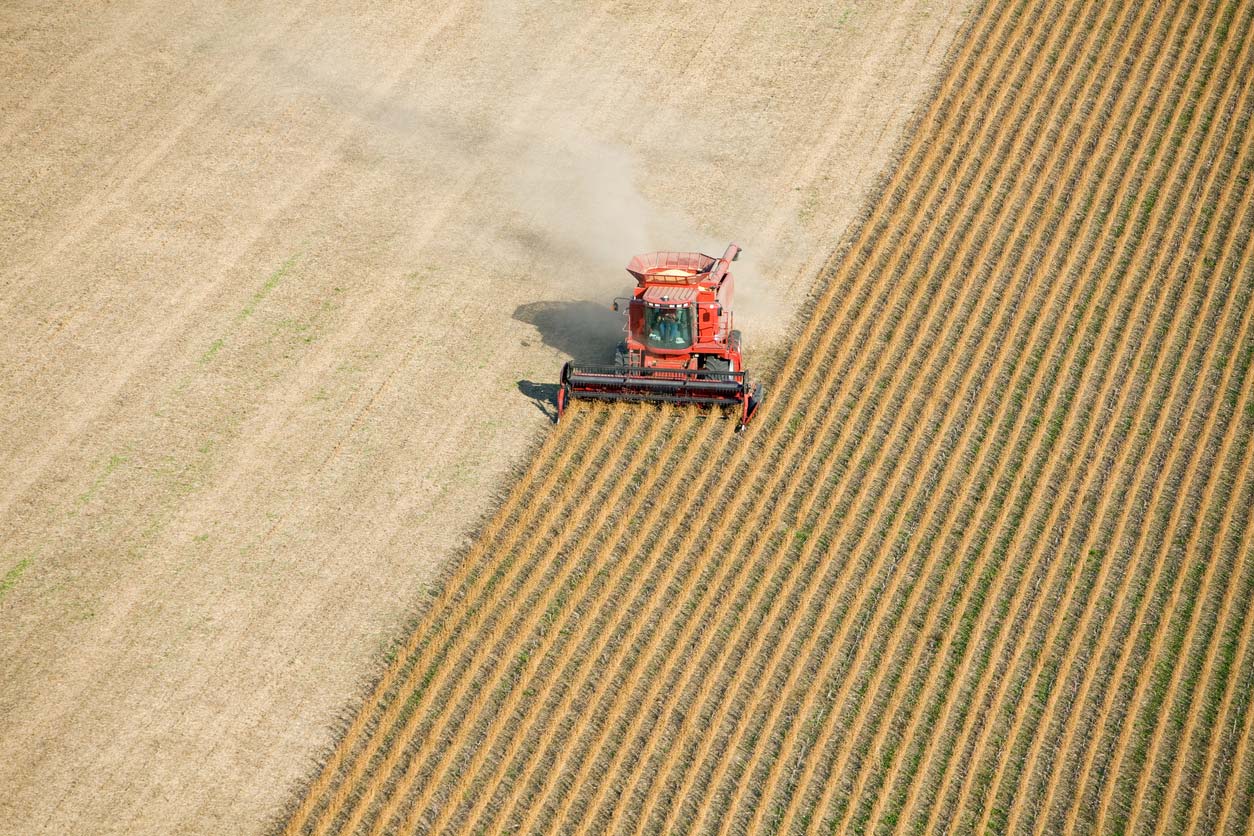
982, 565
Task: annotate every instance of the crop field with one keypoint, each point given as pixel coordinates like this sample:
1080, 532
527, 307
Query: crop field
284, 293
983, 564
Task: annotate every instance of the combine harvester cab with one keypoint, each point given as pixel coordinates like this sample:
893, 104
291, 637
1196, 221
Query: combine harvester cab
680, 346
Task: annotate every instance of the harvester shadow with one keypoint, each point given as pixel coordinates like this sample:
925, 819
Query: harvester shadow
587, 332
543, 395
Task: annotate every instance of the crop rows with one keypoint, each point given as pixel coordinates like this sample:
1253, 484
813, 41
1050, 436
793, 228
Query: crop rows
985, 562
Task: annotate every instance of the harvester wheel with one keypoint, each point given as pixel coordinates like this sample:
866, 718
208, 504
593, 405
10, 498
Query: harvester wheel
621, 354
717, 364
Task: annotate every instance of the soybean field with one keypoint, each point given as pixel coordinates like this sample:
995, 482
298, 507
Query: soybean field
983, 564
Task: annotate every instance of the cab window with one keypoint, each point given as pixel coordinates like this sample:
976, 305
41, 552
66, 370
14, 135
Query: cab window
668, 328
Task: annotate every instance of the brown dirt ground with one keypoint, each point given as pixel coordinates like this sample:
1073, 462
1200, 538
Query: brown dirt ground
283, 294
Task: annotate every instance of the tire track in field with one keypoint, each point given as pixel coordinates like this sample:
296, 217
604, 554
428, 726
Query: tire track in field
87, 59
86, 216
58, 441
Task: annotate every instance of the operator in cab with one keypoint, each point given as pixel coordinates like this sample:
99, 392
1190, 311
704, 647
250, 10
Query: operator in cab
667, 330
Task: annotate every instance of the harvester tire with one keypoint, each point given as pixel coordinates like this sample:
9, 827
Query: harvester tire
620, 354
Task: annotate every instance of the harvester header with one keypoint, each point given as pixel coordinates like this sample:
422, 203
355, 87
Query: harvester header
680, 344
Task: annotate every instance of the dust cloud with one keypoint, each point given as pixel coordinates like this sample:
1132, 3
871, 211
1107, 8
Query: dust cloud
572, 206
583, 212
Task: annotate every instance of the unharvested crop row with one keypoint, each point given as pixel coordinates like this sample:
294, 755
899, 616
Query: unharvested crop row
1230, 787
1015, 595
1200, 523
983, 563
1000, 437
1214, 572
1119, 453
1132, 533
621, 579
601, 640
1082, 548
990, 463
899, 536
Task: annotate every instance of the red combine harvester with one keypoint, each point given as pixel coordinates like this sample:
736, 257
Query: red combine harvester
680, 345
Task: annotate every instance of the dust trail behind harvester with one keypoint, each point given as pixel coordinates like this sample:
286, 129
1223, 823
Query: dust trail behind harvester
580, 197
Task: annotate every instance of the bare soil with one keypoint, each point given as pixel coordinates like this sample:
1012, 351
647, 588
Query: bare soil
282, 298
